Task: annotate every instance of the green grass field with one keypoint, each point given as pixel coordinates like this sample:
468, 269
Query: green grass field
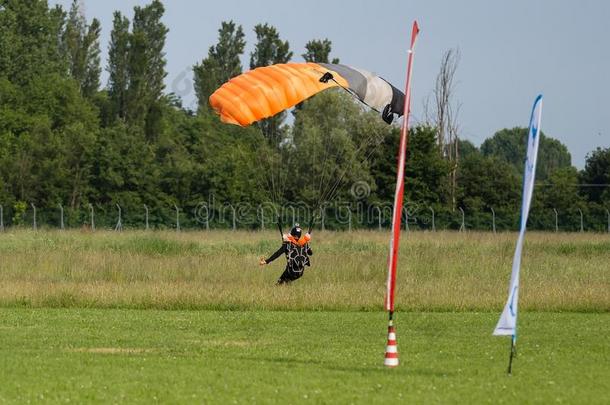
190, 317
147, 356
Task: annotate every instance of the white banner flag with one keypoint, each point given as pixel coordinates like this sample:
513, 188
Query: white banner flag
507, 325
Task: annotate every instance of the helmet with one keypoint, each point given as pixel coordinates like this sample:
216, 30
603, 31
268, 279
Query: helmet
296, 231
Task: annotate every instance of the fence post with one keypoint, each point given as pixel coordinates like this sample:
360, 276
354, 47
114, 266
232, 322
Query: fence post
262, 213
463, 226
293, 215
350, 220
34, 225
322, 217
177, 218
556, 220
2, 219
61, 216
233, 214
493, 219
582, 229
433, 223
406, 213
378, 217
146, 215
207, 217
91, 215
607, 213
119, 224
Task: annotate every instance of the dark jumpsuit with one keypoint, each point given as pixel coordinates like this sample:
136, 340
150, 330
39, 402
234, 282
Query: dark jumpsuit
297, 258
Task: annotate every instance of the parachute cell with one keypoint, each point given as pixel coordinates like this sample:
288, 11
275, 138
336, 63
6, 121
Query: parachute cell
265, 91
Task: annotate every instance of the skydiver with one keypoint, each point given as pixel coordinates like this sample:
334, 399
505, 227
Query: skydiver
296, 247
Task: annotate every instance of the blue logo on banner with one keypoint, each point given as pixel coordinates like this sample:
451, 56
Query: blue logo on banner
512, 301
534, 131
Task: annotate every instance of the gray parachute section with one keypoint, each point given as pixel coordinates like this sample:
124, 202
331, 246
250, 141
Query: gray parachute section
371, 89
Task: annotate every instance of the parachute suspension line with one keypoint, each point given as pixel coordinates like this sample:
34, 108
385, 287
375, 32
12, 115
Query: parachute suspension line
323, 178
313, 166
270, 172
265, 182
369, 141
334, 190
353, 94
324, 173
279, 226
327, 76
270, 159
283, 163
317, 208
331, 193
274, 170
228, 102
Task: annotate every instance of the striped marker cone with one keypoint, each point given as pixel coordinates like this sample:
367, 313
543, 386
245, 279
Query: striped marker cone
391, 351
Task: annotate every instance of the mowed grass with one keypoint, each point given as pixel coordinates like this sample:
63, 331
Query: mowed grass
144, 317
442, 271
245, 357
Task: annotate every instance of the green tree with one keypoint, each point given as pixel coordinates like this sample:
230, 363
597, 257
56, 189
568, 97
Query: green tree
124, 170
269, 48
486, 183
80, 44
596, 176
221, 64
44, 119
29, 44
146, 68
318, 51
509, 146
118, 66
466, 149
425, 169
76, 149
559, 192
335, 146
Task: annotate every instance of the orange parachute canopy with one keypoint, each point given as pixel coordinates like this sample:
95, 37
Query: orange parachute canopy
266, 91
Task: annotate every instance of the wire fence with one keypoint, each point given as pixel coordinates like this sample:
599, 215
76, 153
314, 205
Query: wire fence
349, 215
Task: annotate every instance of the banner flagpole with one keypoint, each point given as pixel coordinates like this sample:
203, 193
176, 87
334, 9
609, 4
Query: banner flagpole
391, 357
507, 324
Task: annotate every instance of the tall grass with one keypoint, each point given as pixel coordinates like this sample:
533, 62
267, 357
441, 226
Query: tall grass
442, 271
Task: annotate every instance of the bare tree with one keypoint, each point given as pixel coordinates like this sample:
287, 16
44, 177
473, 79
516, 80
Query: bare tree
452, 148
444, 116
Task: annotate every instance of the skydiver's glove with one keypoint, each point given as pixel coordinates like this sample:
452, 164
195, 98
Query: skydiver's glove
262, 261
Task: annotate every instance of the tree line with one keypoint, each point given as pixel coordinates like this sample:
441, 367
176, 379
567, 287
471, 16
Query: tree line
66, 138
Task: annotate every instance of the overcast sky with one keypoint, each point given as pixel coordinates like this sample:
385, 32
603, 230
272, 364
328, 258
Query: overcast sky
510, 52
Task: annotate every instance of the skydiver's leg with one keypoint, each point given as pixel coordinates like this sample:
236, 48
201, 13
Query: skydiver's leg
288, 276
285, 278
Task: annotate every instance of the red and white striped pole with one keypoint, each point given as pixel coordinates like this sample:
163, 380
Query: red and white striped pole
391, 359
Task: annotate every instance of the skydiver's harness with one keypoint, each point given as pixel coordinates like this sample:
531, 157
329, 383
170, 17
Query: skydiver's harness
297, 252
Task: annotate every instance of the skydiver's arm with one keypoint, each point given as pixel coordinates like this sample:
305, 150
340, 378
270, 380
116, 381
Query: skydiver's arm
277, 254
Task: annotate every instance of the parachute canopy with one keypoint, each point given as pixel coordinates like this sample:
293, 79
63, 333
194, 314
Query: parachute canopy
265, 91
